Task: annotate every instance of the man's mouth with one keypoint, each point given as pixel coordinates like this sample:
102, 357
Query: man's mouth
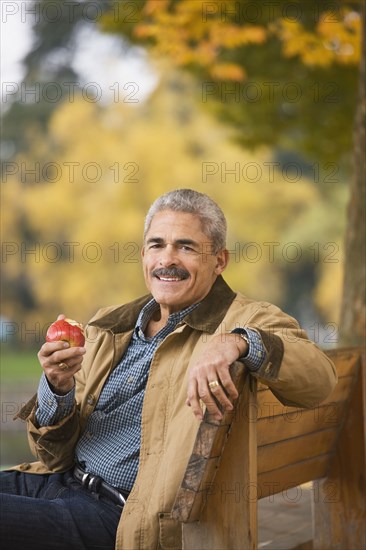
173, 275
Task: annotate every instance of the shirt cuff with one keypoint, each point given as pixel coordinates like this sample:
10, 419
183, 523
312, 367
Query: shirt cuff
51, 407
256, 354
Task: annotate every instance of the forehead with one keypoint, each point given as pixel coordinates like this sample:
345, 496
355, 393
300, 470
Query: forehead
169, 223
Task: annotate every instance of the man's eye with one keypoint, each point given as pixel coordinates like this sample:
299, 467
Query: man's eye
155, 246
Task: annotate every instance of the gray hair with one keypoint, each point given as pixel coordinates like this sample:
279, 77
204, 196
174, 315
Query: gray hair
187, 200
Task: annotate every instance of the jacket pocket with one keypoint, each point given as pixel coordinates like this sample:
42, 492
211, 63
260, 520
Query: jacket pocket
170, 533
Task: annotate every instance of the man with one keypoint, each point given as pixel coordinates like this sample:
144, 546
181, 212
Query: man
114, 430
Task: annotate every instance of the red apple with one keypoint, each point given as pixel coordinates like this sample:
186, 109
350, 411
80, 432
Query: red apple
68, 330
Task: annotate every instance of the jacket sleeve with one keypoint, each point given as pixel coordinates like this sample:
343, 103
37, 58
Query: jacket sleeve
53, 445
295, 369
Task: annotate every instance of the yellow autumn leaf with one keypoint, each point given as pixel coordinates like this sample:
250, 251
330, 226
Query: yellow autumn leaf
227, 71
146, 30
332, 42
232, 36
154, 6
342, 37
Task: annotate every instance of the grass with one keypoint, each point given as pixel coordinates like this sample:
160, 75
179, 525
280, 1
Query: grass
16, 366
19, 375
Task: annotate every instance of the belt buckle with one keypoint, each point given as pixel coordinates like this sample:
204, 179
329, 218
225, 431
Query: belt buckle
94, 484
90, 482
84, 479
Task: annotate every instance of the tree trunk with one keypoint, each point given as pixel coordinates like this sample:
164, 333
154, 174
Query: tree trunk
353, 310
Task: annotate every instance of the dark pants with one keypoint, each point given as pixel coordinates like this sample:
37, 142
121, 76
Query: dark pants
45, 512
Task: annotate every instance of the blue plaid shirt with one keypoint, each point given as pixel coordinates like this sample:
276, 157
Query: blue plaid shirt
109, 447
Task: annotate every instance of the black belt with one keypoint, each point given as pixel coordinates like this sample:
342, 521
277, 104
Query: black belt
96, 484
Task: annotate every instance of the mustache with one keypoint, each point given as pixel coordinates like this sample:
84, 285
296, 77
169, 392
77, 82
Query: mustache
170, 272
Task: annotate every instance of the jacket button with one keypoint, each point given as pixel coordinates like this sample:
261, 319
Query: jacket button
268, 368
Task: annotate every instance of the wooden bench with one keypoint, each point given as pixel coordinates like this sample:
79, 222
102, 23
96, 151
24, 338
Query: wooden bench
276, 448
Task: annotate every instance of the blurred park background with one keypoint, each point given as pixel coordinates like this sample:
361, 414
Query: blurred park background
108, 104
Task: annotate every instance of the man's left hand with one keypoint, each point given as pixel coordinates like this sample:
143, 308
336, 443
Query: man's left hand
209, 377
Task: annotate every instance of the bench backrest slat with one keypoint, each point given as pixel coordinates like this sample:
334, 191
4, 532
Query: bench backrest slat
292, 475
290, 451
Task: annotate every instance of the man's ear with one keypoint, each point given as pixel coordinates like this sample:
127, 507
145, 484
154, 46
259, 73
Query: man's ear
222, 259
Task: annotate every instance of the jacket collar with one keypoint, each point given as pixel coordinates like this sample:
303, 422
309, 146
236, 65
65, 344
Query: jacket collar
211, 311
205, 317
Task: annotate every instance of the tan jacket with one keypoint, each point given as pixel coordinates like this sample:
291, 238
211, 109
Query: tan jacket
297, 372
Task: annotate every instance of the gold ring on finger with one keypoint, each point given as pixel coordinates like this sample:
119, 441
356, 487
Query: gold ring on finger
63, 366
213, 385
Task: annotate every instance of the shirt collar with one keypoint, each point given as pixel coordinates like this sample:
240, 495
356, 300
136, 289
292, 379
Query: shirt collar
152, 306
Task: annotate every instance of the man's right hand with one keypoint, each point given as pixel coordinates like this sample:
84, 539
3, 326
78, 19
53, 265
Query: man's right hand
60, 362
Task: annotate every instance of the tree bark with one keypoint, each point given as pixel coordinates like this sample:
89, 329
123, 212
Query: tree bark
353, 310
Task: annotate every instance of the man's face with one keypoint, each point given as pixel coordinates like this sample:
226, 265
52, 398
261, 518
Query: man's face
178, 263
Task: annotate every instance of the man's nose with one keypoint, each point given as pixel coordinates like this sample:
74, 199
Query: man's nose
168, 255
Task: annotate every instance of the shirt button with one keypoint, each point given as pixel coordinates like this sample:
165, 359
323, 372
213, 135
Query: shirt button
50, 402
259, 353
88, 435
130, 379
